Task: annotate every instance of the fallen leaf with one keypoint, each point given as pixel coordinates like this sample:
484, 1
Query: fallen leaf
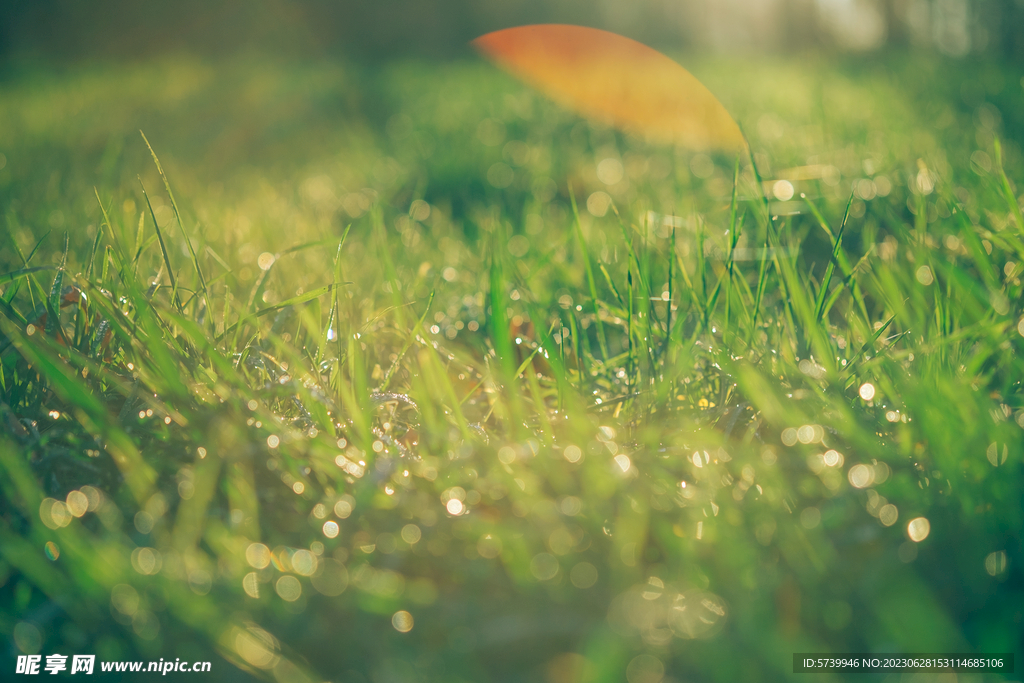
615, 80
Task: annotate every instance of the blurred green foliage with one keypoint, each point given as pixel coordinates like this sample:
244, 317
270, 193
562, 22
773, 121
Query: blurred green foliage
416, 377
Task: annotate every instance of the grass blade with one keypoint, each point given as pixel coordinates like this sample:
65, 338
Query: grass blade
163, 250
819, 306
1011, 201
181, 227
601, 340
294, 301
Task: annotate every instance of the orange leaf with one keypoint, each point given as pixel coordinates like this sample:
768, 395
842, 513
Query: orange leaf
615, 80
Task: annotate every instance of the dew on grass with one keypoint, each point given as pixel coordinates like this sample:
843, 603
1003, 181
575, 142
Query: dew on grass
783, 190
924, 275
865, 189
289, 588
304, 562
995, 563
544, 566
645, 668
996, 456
94, 496
598, 203
386, 543
144, 522
411, 534
257, 555
124, 598
256, 646
332, 579
570, 506
186, 489
77, 503
583, 575
860, 476
344, 506
147, 561
810, 517
888, 514
251, 584
200, 581
518, 246
402, 621
918, 529
806, 434
609, 171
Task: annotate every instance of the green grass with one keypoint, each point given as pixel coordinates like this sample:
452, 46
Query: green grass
375, 290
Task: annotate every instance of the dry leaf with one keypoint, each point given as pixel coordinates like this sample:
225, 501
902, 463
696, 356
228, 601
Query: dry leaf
615, 80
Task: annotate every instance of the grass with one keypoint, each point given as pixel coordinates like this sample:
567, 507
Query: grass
347, 343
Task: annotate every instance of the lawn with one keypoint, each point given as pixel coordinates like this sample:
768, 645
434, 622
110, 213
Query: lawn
388, 373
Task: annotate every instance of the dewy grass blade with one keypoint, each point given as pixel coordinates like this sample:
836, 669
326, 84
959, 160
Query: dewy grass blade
23, 272
819, 306
181, 227
53, 325
92, 253
1011, 201
671, 294
294, 301
848, 272
601, 340
32, 282
850, 281
140, 242
163, 250
847, 371
735, 228
405, 347
116, 244
611, 285
501, 337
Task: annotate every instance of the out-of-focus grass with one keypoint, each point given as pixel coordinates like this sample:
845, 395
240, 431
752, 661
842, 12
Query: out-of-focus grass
673, 437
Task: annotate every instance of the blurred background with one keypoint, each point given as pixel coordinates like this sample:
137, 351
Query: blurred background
71, 29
